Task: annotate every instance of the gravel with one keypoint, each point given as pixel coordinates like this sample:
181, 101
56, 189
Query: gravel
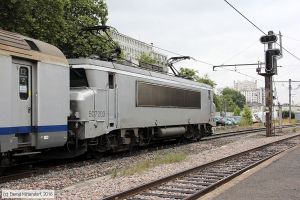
93, 179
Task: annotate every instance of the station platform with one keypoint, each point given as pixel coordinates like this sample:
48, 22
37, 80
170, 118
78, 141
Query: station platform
277, 180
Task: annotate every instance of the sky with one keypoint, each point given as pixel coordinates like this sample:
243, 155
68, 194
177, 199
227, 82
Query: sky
211, 31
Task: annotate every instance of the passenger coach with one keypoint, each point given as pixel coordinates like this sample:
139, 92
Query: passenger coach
34, 101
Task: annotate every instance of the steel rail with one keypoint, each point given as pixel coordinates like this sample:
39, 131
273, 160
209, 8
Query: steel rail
241, 132
163, 181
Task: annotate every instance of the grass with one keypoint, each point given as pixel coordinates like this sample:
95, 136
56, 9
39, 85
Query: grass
142, 166
286, 122
295, 130
245, 123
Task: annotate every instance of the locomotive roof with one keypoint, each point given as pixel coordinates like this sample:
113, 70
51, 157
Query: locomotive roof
20, 46
93, 64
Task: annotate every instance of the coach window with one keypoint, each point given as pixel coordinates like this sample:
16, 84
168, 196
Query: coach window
23, 83
111, 81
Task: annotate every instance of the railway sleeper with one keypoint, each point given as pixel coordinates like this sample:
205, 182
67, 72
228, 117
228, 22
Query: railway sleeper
223, 173
211, 174
206, 177
176, 190
162, 195
181, 186
194, 183
201, 180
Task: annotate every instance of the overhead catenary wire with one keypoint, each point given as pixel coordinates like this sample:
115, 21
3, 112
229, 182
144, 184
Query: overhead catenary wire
245, 17
284, 86
287, 82
207, 63
178, 54
239, 52
241, 74
289, 52
204, 62
291, 38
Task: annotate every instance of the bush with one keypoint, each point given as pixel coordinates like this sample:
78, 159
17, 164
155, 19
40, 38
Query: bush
237, 111
244, 122
246, 117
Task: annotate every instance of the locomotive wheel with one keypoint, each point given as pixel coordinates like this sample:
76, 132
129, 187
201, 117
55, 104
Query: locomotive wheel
4, 164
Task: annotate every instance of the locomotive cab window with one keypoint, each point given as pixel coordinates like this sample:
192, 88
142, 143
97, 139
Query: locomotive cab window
23, 83
78, 78
111, 81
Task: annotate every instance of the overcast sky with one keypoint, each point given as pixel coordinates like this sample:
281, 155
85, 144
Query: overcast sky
211, 31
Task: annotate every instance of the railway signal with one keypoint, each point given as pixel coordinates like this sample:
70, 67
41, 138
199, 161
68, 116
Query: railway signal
271, 56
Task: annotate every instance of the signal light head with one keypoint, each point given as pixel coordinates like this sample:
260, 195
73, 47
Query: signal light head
271, 60
268, 39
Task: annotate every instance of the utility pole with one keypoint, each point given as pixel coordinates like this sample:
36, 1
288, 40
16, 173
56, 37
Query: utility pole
269, 103
269, 96
280, 117
290, 81
290, 100
270, 69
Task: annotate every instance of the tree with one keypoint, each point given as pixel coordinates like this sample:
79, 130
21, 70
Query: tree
227, 104
237, 111
189, 73
246, 116
217, 101
147, 58
237, 97
193, 74
58, 22
205, 79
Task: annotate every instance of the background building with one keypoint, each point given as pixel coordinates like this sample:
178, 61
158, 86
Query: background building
249, 89
244, 85
133, 49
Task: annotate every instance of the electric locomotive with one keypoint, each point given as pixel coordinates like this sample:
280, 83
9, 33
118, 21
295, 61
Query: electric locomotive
114, 106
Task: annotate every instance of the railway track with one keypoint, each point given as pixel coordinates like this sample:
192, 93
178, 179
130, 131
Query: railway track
195, 182
20, 174
241, 132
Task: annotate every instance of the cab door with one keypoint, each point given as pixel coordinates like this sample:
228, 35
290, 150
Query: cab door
112, 100
24, 99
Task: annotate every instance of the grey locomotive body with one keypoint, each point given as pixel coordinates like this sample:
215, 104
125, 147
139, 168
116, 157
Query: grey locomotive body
114, 106
79, 105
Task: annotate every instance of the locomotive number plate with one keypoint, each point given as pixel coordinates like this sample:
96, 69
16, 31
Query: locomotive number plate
96, 113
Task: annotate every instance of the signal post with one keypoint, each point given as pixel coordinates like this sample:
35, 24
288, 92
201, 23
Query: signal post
271, 56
